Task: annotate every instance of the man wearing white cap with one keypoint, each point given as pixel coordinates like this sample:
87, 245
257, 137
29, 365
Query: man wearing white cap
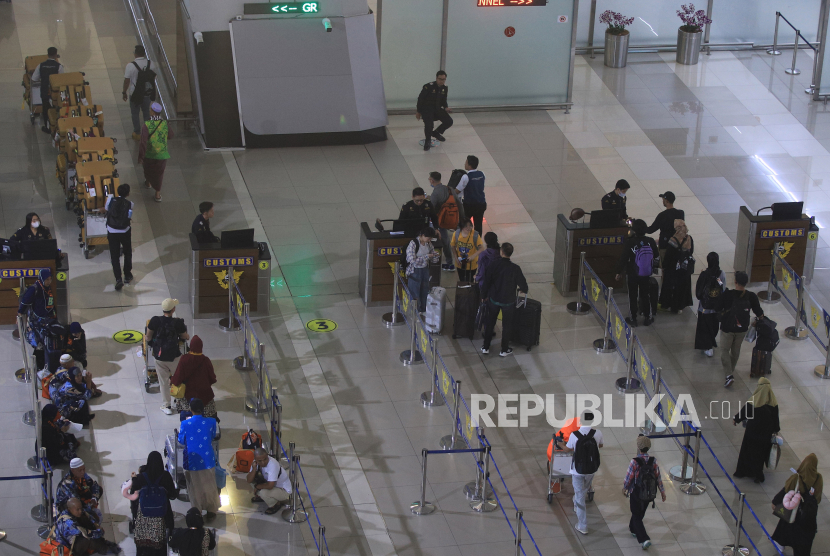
68, 363
152, 149
163, 336
77, 484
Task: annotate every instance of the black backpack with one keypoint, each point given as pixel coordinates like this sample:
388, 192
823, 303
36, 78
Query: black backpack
166, 340
152, 499
586, 453
455, 178
768, 338
710, 293
730, 321
646, 484
118, 213
145, 84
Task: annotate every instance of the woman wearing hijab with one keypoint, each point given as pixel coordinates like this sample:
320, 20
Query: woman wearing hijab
32, 229
801, 533
194, 540
151, 532
60, 444
676, 292
195, 371
73, 398
710, 286
761, 416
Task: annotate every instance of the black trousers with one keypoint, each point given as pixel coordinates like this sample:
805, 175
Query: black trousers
507, 315
638, 512
118, 242
45, 105
429, 123
465, 275
475, 212
638, 291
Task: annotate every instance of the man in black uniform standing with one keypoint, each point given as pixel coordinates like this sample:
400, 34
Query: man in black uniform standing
201, 225
616, 199
432, 105
42, 73
418, 208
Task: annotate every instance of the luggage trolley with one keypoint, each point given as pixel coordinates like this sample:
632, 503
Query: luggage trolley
94, 230
174, 460
559, 465
35, 109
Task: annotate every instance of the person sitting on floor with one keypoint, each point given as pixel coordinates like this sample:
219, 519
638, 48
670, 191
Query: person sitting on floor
72, 397
68, 362
60, 444
77, 484
269, 480
76, 344
193, 540
78, 531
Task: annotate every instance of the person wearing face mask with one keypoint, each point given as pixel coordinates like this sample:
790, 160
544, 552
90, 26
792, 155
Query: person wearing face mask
615, 200
32, 229
418, 208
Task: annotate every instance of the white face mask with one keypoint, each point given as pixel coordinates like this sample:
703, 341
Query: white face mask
36, 224
622, 194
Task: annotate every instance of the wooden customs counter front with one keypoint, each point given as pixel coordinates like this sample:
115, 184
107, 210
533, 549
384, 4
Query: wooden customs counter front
757, 235
602, 246
209, 278
11, 274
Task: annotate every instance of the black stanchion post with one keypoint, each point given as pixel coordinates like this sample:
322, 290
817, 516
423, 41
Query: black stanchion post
22, 374
321, 532
694, 487
295, 514
230, 325
276, 424
606, 344
629, 383
451, 441
422, 507
243, 362
429, 399
683, 472
736, 549
578, 307
519, 514
394, 318
486, 503
43, 530
473, 489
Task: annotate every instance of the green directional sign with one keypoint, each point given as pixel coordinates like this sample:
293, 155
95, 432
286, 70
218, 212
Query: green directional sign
282, 8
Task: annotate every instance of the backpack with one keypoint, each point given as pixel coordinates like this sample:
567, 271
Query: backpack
710, 293
166, 341
152, 499
455, 178
644, 258
250, 440
730, 321
646, 484
448, 215
145, 84
768, 338
586, 453
118, 213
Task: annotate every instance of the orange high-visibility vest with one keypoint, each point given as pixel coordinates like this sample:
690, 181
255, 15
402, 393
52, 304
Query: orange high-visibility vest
570, 426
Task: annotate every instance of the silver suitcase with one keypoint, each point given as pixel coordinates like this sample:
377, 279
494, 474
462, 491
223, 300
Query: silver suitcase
174, 456
436, 304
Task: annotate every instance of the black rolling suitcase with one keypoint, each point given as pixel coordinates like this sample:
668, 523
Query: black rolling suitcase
466, 308
653, 294
761, 363
54, 345
527, 323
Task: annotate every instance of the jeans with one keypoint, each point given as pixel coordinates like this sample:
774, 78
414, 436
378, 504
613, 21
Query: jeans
730, 345
117, 242
429, 122
507, 316
638, 290
475, 212
582, 484
418, 285
638, 512
144, 107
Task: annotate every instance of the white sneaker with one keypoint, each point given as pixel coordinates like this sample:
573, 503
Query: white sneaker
646, 545
709, 352
583, 531
167, 410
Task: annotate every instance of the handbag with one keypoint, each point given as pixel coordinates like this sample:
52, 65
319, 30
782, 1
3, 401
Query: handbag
774, 454
177, 391
221, 477
751, 334
784, 514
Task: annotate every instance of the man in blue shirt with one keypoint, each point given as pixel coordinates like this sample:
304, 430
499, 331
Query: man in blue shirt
472, 188
197, 434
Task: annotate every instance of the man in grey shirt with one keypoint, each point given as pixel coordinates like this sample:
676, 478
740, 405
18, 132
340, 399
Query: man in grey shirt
440, 194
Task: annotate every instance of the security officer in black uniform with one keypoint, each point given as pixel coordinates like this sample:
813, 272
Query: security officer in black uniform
432, 105
419, 207
616, 199
42, 73
201, 225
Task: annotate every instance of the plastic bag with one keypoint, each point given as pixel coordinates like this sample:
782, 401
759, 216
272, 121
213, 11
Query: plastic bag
751, 334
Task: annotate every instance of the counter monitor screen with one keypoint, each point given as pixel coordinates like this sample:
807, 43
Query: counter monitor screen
787, 211
237, 239
282, 8
509, 3
606, 218
39, 249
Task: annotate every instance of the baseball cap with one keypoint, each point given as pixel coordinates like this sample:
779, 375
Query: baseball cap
168, 304
669, 196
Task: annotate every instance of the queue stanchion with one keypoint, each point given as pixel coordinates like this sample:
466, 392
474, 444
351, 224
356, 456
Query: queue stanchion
22, 374
735, 549
44, 530
771, 296
429, 399
411, 356
31, 416
243, 362
394, 318
683, 472
472, 490
519, 515
694, 487
18, 334
254, 403
321, 532
798, 332
629, 383
451, 441
606, 344
580, 306
35, 463
229, 324
486, 502
823, 371
422, 507
295, 514
649, 426
276, 424
40, 513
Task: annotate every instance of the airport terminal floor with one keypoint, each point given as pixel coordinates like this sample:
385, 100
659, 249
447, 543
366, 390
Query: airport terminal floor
733, 130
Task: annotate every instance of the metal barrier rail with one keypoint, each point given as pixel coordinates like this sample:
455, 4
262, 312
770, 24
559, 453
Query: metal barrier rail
794, 70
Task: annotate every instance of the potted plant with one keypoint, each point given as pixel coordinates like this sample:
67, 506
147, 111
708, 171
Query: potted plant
689, 34
616, 38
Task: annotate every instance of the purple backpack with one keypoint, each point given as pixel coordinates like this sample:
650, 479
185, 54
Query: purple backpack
644, 257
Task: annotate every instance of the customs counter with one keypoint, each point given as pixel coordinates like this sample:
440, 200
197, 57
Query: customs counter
209, 264
17, 275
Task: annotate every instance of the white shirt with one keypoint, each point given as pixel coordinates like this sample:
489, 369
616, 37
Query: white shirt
131, 72
462, 183
572, 443
36, 76
114, 230
273, 472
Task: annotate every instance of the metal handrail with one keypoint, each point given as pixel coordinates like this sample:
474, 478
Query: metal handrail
793, 70
779, 14
157, 37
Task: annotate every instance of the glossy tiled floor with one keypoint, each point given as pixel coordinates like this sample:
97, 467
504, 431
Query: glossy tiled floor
733, 130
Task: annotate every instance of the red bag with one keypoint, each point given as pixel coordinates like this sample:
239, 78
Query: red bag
50, 547
244, 460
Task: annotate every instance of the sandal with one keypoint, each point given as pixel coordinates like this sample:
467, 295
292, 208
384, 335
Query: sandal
274, 509
147, 185
157, 199
257, 499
